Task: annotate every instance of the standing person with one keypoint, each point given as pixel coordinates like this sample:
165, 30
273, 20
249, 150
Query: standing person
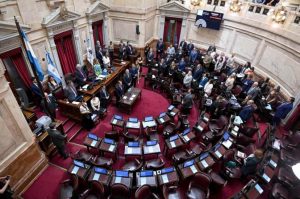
52, 84
251, 162
134, 73
97, 68
229, 83
104, 97
86, 114
95, 104
119, 91
187, 80
187, 101
111, 50
247, 111
58, 139
127, 79
5, 190
208, 87
159, 48
147, 49
106, 60
282, 111
150, 57
49, 99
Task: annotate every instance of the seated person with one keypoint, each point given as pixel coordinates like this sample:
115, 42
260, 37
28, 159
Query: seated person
80, 75
97, 68
252, 93
119, 90
104, 97
106, 60
251, 162
134, 74
187, 80
52, 84
247, 111
86, 114
273, 98
127, 79
71, 92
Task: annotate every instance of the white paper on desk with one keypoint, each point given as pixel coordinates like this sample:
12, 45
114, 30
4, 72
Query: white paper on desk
234, 133
227, 144
114, 121
186, 138
85, 86
133, 95
118, 179
94, 142
129, 150
200, 128
236, 128
193, 168
172, 113
143, 181
74, 102
204, 163
131, 98
125, 97
205, 119
268, 107
165, 178
96, 176
267, 178
218, 154
259, 189
162, 120
75, 170
241, 154
111, 148
276, 144
172, 144
150, 149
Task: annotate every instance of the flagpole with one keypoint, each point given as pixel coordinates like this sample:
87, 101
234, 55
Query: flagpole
34, 71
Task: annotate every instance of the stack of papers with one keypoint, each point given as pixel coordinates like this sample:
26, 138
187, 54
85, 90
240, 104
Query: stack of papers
241, 154
124, 97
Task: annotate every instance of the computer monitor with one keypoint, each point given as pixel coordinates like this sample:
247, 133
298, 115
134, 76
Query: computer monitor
100, 170
170, 107
203, 156
109, 141
121, 173
174, 137
93, 136
133, 144
162, 114
133, 119
217, 146
167, 170
146, 173
148, 119
226, 136
118, 117
186, 131
79, 164
151, 143
188, 163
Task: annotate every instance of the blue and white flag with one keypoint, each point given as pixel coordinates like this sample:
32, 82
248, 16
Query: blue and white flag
52, 70
31, 56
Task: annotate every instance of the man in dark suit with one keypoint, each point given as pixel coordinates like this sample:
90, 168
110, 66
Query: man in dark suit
127, 80
49, 99
183, 45
247, 111
58, 139
104, 97
134, 74
247, 83
119, 91
181, 65
150, 56
80, 75
35, 89
159, 48
162, 67
187, 101
99, 54
190, 47
129, 49
211, 48
198, 73
282, 111
193, 56
71, 92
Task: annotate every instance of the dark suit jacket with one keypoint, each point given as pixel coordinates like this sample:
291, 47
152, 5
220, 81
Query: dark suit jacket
246, 112
35, 89
198, 74
160, 47
119, 91
250, 166
80, 75
150, 57
187, 101
57, 138
283, 109
190, 47
183, 45
70, 93
129, 50
211, 48
127, 79
102, 94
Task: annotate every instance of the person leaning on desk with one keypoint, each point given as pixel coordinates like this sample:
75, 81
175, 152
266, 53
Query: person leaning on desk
5, 190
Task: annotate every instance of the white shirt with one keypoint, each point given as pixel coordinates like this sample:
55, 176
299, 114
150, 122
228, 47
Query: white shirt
84, 108
187, 80
229, 83
106, 60
95, 104
208, 88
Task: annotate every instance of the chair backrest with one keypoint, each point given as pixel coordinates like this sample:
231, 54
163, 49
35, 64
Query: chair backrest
23, 97
75, 182
143, 192
203, 180
58, 93
222, 121
119, 191
97, 188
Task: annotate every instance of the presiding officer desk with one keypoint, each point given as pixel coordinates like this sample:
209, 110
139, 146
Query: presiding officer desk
72, 110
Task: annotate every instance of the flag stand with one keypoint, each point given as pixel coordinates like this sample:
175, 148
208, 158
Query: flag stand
34, 72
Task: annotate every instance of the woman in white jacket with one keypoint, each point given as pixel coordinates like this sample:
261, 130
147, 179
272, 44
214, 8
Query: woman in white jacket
187, 80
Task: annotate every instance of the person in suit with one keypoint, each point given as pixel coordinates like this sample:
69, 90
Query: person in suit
111, 50
99, 55
50, 100
183, 45
159, 48
212, 48
98, 46
193, 56
129, 49
52, 84
146, 50
203, 80
86, 114
181, 65
190, 47
162, 67
71, 92
179, 53
127, 79
282, 111
122, 50
251, 162
171, 51
247, 83
134, 74
104, 96
5, 190
95, 104
150, 56
58, 139
198, 72
187, 80
80, 75
187, 101
119, 91
35, 89
253, 91
247, 111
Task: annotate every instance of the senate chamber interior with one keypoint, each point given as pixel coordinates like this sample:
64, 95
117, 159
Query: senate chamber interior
142, 99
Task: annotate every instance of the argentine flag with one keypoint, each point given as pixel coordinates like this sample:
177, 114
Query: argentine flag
52, 69
31, 56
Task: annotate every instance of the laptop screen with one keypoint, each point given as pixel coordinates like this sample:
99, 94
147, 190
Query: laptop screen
109, 141
188, 163
100, 170
170, 107
133, 144
121, 173
118, 117
186, 131
133, 119
203, 156
167, 170
217, 146
146, 173
93, 136
148, 119
174, 137
162, 114
226, 136
79, 164
151, 143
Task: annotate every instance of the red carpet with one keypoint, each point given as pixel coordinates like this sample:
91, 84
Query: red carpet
152, 103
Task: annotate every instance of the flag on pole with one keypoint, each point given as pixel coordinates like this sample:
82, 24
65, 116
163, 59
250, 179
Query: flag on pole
52, 70
31, 56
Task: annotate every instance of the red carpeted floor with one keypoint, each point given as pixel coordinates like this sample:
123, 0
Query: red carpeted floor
152, 103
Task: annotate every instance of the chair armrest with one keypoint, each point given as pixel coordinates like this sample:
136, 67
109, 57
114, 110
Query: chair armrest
66, 181
85, 193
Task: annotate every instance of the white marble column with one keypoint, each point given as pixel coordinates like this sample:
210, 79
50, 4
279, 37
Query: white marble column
55, 56
106, 38
77, 43
183, 31
161, 26
91, 36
